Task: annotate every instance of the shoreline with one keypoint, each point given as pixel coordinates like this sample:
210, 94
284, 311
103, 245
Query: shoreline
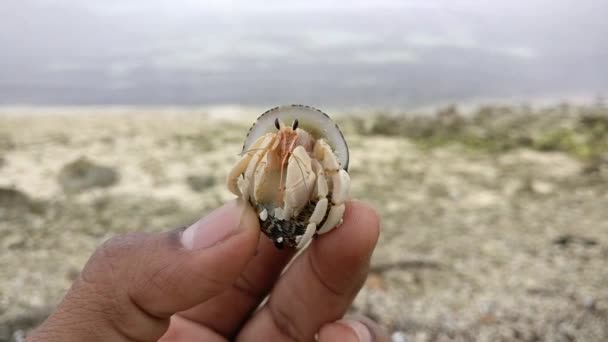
236, 111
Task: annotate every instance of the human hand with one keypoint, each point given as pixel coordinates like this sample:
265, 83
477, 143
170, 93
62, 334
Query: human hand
204, 283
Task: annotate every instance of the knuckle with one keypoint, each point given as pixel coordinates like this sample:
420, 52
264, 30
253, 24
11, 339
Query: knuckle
134, 323
285, 322
160, 278
102, 288
249, 288
107, 262
212, 282
120, 245
336, 291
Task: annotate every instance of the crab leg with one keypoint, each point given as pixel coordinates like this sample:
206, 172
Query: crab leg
235, 172
340, 181
341, 187
334, 218
320, 208
258, 148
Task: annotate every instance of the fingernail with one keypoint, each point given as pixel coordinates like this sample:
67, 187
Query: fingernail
360, 329
213, 228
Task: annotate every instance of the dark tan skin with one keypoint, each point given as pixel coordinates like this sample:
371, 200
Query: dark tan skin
177, 286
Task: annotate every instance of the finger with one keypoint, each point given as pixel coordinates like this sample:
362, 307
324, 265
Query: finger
136, 282
227, 312
182, 330
321, 284
360, 329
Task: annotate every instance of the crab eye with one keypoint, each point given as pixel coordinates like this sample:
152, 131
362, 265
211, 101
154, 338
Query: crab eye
295, 124
277, 124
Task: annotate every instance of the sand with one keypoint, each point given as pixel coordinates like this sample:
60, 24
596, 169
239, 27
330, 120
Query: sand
475, 246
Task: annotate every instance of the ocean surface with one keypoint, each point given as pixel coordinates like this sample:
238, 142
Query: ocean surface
367, 53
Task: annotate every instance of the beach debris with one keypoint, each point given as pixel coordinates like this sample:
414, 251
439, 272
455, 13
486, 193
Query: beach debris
82, 174
200, 183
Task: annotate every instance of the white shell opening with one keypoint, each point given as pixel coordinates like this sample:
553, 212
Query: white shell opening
314, 121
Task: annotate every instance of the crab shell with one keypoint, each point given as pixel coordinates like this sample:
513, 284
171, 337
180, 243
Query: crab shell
293, 172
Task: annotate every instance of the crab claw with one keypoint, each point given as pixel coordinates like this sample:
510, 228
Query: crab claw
299, 182
257, 150
235, 173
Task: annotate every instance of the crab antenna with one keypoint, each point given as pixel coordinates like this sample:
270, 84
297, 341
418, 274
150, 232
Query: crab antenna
277, 124
295, 124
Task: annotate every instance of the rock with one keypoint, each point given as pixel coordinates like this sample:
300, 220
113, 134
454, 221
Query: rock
569, 239
6, 143
200, 183
82, 174
11, 198
16, 328
15, 203
12, 241
399, 336
18, 336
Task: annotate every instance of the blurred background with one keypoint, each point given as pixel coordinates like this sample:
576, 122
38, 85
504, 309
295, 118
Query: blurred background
478, 130
347, 53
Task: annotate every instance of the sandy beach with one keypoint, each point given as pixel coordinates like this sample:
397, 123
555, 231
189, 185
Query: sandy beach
495, 224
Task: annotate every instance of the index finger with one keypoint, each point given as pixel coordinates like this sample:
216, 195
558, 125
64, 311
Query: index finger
321, 284
226, 312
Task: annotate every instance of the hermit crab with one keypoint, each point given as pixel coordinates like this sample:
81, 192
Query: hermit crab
293, 172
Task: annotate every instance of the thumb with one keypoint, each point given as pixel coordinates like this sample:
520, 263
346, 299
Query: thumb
353, 329
134, 283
